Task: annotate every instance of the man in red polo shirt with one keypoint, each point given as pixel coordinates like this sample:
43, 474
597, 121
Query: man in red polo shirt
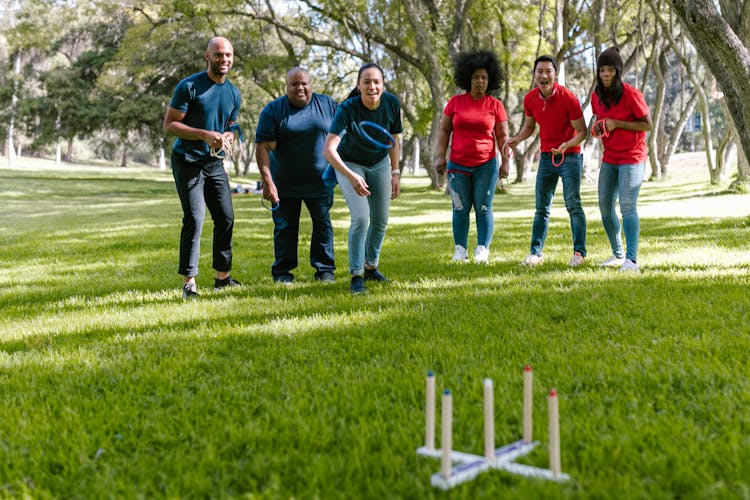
561, 129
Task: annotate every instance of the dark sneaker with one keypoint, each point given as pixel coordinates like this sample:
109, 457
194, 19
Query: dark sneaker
189, 290
226, 282
285, 279
375, 275
325, 277
358, 285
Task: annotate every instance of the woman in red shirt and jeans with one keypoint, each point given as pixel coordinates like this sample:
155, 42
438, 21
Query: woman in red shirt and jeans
478, 125
621, 119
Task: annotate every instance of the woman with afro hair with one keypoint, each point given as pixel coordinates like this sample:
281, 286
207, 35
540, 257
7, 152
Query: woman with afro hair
476, 126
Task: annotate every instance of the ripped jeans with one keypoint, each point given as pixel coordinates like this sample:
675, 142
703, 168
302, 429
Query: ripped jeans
473, 187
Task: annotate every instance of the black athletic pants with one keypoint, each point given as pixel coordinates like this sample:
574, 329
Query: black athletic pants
200, 184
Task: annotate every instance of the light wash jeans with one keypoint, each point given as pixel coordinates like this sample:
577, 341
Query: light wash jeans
369, 214
623, 181
546, 182
473, 187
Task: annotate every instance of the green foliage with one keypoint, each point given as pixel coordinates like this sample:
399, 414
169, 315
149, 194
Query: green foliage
112, 386
138, 52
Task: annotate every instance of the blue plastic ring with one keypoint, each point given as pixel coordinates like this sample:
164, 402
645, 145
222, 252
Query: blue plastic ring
374, 126
272, 208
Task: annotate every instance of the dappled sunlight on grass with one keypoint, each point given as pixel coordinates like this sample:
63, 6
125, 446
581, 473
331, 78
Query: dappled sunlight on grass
716, 206
287, 326
732, 262
43, 358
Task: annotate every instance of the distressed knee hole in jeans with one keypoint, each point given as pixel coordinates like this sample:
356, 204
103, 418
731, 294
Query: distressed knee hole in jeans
457, 204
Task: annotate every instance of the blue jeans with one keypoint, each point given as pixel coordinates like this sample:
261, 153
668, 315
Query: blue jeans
623, 181
546, 182
369, 214
199, 185
473, 187
286, 235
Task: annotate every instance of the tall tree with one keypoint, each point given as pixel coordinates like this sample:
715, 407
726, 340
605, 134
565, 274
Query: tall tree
721, 40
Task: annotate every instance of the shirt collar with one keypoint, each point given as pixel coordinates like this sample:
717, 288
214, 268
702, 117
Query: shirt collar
555, 87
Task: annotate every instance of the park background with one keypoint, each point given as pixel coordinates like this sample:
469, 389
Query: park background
113, 387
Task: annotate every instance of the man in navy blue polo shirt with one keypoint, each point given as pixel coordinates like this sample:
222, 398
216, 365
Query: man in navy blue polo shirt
202, 114
290, 136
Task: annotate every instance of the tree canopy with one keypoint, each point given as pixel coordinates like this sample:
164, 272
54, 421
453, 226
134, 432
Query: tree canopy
105, 73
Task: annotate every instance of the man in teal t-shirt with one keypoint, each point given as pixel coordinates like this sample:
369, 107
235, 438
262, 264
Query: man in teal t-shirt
202, 114
290, 137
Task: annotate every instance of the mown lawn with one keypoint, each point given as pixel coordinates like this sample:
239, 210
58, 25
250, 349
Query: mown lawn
113, 386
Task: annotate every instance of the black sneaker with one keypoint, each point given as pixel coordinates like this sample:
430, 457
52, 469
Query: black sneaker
325, 277
358, 285
375, 275
189, 291
285, 279
226, 282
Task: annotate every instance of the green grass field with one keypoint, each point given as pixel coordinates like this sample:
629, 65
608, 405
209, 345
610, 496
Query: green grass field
112, 386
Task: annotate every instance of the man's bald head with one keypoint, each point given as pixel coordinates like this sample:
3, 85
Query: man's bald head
218, 41
298, 87
220, 57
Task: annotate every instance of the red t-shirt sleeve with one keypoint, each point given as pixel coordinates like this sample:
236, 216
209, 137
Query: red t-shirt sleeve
527, 104
450, 108
636, 103
574, 107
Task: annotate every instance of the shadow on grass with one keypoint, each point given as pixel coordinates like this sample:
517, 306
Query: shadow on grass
421, 273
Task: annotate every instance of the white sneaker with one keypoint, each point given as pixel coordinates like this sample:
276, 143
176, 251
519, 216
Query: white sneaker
576, 260
482, 255
460, 255
613, 262
532, 260
629, 265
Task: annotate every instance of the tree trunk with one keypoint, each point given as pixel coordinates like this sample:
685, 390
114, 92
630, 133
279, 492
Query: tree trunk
431, 67
410, 154
657, 112
725, 54
236, 158
721, 155
250, 154
248, 157
674, 138
698, 86
743, 167
69, 151
560, 38
12, 111
124, 157
525, 160
417, 156
433, 147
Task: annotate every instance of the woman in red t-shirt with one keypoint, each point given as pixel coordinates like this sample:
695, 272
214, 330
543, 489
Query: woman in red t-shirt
621, 119
478, 126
